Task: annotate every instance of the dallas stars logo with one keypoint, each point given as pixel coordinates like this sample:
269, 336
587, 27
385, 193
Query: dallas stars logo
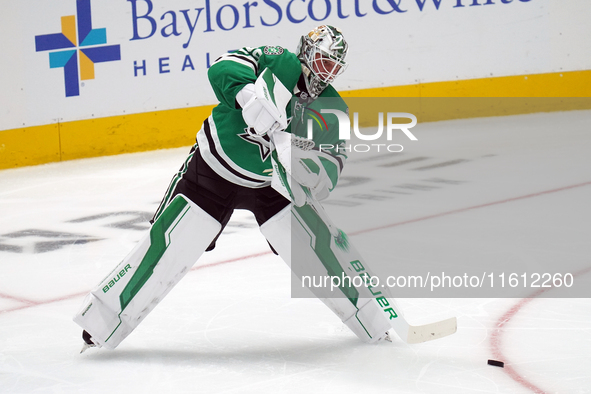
273, 50
262, 141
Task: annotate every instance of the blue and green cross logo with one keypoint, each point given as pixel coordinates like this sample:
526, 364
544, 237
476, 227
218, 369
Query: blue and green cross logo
77, 48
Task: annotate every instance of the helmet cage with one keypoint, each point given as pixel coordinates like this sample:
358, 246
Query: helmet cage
322, 52
323, 64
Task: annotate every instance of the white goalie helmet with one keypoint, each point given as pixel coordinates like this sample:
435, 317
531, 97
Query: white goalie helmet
322, 53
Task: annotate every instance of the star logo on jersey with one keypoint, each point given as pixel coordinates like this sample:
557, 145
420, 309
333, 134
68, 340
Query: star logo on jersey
77, 48
262, 141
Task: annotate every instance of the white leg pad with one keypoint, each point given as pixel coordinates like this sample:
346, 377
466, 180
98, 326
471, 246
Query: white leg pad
125, 297
277, 230
365, 317
368, 323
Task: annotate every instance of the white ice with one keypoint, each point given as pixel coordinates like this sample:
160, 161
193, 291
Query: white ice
507, 191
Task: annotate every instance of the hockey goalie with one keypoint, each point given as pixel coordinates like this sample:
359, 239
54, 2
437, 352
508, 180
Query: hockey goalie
254, 152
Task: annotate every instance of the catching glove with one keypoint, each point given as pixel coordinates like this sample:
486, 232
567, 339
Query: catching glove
304, 169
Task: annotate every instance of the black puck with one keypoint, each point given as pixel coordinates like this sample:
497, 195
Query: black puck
496, 363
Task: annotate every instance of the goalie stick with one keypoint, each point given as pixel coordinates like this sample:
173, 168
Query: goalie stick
407, 332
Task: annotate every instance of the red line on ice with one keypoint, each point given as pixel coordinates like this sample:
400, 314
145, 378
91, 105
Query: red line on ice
497, 334
30, 303
18, 299
438, 215
496, 342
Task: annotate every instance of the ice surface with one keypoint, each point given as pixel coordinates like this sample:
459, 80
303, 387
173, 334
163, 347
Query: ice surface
501, 191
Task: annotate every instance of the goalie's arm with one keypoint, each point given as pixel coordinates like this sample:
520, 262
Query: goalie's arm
264, 103
244, 80
230, 73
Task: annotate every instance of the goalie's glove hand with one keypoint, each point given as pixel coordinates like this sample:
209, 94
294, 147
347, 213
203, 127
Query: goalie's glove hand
308, 171
304, 169
263, 104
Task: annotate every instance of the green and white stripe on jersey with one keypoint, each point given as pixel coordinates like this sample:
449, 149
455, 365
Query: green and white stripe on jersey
246, 56
249, 173
224, 142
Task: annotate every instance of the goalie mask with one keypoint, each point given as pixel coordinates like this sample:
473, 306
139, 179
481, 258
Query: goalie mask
322, 53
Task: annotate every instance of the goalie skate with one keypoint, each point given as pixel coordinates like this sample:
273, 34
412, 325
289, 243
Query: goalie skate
88, 343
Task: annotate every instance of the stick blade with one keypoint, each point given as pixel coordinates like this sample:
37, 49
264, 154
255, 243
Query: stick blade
429, 332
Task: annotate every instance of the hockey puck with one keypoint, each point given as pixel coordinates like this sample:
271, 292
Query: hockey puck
496, 363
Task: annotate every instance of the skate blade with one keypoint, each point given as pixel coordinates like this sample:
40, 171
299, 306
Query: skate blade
85, 347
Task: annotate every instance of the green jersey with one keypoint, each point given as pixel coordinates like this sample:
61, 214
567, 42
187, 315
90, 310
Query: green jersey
243, 158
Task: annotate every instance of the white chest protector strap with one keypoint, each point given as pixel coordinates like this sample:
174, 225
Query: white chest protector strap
125, 297
363, 313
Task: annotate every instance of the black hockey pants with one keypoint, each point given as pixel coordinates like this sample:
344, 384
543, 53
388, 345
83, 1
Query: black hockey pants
219, 197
